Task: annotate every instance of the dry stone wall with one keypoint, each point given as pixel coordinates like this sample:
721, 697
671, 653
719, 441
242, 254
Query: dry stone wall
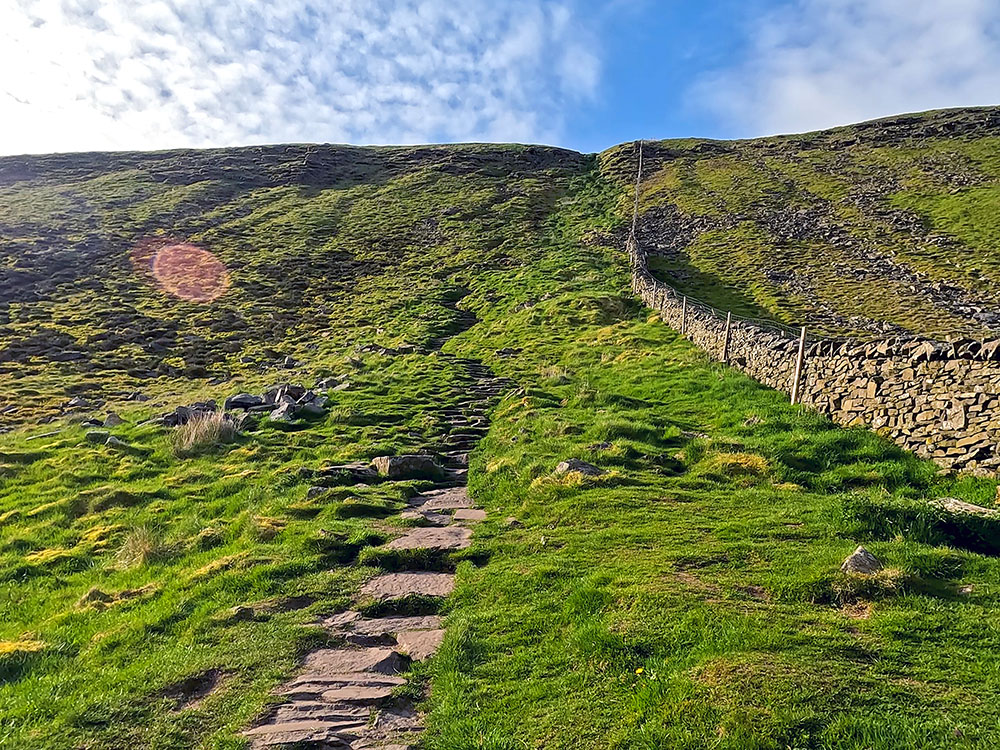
940, 400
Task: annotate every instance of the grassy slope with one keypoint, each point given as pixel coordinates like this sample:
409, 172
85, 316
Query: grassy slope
789, 227
689, 598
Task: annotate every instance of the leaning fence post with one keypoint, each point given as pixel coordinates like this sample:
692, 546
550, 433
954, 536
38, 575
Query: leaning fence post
798, 366
684, 315
725, 345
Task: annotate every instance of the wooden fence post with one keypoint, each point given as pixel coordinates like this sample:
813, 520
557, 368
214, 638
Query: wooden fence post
684, 315
798, 366
725, 345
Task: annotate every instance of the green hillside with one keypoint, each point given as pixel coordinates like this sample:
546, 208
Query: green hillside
886, 227
687, 597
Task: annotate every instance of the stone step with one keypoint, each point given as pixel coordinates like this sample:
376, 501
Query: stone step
419, 644
340, 661
398, 585
448, 499
437, 538
427, 517
313, 732
471, 515
320, 711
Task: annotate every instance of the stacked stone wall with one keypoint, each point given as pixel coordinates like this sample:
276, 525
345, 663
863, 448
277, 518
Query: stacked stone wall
940, 400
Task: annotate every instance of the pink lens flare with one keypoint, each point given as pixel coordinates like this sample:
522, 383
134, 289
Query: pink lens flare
183, 270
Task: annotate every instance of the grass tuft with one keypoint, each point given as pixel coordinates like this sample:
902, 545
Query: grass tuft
202, 433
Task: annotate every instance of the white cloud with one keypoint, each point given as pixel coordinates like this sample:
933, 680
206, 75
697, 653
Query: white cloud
817, 63
142, 74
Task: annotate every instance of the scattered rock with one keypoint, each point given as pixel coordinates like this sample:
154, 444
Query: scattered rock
184, 414
356, 472
284, 413
861, 561
243, 401
954, 505
115, 442
113, 420
512, 523
98, 437
136, 396
582, 467
408, 467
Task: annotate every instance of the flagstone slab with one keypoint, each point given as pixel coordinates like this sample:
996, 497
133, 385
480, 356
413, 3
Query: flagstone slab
397, 585
419, 644
434, 538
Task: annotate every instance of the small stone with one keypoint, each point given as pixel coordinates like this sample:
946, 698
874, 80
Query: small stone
342, 386
861, 561
470, 514
115, 442
98, 437
77, 402
582, 467
113, 420
315, 492
512, 523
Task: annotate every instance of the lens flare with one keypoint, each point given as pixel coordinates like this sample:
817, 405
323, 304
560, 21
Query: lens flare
183, 270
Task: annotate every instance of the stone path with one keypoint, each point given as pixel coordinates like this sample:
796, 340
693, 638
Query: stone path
343, 697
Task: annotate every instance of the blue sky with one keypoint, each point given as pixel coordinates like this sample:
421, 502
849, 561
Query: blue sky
586, 74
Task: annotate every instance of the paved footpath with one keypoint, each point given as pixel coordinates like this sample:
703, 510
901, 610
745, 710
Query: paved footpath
343, 697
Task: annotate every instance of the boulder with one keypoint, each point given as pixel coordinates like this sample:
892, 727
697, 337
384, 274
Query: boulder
408, 467
243, 401
311, 409
284, 413
575, 464
861, 561
98, 437
77, 402
113, 420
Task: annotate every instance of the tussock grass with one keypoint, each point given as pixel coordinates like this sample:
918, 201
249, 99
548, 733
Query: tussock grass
140, 546
203, 432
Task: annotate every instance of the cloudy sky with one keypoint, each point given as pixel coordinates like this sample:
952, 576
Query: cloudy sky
143, 74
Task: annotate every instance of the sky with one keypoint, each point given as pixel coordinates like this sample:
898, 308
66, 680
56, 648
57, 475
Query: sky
78, 75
